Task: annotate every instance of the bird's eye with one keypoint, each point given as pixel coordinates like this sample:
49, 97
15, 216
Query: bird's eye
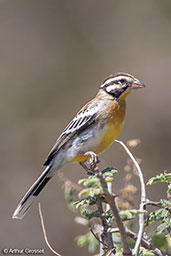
122, 81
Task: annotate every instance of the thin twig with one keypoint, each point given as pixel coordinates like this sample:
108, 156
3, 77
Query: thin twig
157, 204
147, 245
109, 185
105, 236
44, 231
143, 199
97, 238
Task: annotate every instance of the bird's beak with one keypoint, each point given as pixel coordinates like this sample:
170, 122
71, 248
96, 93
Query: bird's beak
137, 84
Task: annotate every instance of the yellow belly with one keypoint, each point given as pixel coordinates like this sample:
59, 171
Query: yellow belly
111, 133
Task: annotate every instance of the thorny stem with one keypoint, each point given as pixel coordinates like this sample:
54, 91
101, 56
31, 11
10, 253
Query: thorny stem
143, 199
111, 201
106, 237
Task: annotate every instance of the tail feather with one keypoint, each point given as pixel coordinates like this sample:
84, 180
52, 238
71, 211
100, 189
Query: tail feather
32, 193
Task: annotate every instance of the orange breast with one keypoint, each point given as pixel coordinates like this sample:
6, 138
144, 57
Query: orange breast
114, 119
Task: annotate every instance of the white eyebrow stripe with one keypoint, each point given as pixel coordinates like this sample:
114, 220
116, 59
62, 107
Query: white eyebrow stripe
112, 80
108, 81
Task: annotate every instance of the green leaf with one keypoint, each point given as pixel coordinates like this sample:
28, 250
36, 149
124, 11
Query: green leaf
93, 243
169, 189
162, 227
69, 197
85, 201
165, 203
90, 182
109, 170
145, 252
89, 215
158, 215
109, 179
129, 214
90, 192
87, 239
82, 240
84, 192
166, 177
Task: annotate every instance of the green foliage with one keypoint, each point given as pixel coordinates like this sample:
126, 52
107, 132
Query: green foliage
91, 192
159, 241
87, 205
92, 183
89, 215
130, 214
145, 252
69, 196
163, 214
169, 189
165, 203
87, 239
160, 214
91, 200
163, 177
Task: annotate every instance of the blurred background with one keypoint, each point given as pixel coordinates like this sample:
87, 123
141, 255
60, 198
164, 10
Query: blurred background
53, 57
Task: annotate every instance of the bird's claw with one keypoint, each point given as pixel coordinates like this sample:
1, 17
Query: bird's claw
93, 160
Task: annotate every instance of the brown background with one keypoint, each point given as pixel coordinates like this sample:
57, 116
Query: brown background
53, 57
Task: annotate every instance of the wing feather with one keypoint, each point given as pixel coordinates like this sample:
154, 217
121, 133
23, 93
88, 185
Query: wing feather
85, 117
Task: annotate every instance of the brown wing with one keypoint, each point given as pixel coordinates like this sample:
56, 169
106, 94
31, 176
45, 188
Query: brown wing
85, 117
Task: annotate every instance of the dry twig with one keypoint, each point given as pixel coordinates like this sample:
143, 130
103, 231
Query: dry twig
44, 231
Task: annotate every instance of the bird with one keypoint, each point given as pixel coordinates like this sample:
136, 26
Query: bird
93, 129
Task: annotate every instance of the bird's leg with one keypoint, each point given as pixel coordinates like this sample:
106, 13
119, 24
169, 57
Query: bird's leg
85, 167
91, 162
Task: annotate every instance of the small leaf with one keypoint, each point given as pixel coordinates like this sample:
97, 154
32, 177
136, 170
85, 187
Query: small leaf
109, 179
145, 252
89, 215
130, 214
165, 203
162, 227
91, 181
169, 189
108, 171
160, 214
166, 177
87, 239
84, 192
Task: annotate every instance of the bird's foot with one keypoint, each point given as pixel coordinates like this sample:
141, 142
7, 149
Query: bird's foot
91, 164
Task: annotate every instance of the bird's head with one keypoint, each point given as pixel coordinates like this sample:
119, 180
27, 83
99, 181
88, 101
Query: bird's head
120, 85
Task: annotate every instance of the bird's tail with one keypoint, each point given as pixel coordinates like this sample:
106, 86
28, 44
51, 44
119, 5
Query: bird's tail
32, 193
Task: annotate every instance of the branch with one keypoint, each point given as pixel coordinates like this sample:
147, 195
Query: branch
147, 245
44, 231
143, 199
106, 237
111, 201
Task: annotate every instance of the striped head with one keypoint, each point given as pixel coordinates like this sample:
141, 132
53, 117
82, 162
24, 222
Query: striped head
120, 85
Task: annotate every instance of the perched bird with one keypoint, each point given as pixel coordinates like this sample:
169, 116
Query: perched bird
93, 129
